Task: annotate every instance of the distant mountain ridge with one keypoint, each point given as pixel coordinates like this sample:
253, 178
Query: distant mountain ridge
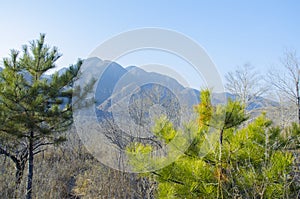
112, 73
114, 77
116, 83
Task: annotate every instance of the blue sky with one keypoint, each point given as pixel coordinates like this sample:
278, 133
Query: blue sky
232, 32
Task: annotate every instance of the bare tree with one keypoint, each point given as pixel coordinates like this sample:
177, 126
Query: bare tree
246, 84
286, 79
284, 112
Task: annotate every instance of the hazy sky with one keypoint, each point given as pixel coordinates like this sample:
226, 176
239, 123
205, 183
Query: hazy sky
232, 32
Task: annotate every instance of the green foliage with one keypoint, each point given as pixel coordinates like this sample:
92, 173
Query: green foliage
34, 111
164, 130
144, 157
248, 161
29, 102
256, 165
204, 109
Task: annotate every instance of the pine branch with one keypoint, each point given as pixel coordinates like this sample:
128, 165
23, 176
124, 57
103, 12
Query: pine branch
6, 153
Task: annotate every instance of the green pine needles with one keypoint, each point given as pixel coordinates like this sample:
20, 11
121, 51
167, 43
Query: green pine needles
246, 160
34, 110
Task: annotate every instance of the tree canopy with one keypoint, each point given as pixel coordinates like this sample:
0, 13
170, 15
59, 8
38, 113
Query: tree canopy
251, 161
34, 109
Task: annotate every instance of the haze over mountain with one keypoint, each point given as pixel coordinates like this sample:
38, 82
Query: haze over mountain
112, 73
118, 86
124, 86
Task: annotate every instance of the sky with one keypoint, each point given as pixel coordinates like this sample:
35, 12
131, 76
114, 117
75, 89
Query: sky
231, 32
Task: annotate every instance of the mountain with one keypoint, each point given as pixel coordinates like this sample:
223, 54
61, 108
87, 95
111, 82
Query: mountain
113, 79
132, 86
111, 74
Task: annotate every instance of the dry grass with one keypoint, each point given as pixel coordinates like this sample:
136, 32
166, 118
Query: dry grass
68, 171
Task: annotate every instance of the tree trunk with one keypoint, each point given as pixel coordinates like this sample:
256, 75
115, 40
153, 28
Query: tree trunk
298, 99
30, 167
20, 166
220, 191
298, 106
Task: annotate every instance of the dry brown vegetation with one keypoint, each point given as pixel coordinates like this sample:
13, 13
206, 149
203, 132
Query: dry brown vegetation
69, 171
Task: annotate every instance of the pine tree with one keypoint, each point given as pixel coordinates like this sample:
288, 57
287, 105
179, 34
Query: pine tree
35, 111
245, 161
